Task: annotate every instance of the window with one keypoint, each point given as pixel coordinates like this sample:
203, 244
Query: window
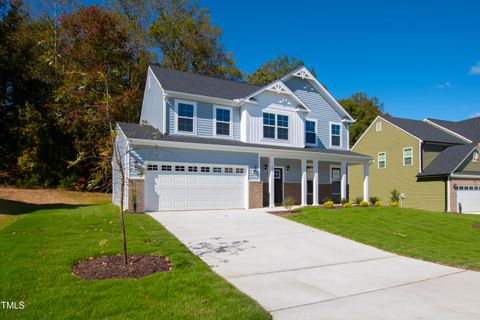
408, 156
382, 160
336, 174
378, 126
269, 125
185, 117
282, 127
310, 132
152, 167
223, 118
228, 170
179, 168
275, 126
335, 135
192, 169
205, 169
217, 170
239, 170
166, 168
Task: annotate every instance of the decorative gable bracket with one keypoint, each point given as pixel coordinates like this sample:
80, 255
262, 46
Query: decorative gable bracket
279, 88
304, 74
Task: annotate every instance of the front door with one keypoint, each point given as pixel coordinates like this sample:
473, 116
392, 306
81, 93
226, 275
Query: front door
278, 185
335, 177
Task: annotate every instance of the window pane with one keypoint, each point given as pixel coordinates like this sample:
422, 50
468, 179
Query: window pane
407, 152
310, 138
185, 110
282, 121
335, 129
268, 132
185, 124
223, 115
407, 161
310, 126
335, 140
223, 128
282, 133
269, 119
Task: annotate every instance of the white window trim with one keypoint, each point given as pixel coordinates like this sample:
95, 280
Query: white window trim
275, 127
378, 126
378, 160
194, 117
403, 154
215, 107
334, 166
330, 134
316, 132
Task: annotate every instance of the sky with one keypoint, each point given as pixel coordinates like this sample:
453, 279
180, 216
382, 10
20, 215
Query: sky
420, 58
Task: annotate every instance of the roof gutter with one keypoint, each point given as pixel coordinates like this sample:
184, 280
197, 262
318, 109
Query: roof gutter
270, 151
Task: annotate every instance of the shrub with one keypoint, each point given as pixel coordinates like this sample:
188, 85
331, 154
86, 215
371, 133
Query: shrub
358, 200
373, 199
347, 204
288, 203
343, 201
364, 204
30, 181
134, 201
328, 204
69, 182
378, 203
394, 204
395, 196
326, 199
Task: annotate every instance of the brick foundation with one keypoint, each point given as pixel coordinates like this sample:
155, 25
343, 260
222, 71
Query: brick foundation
255, 197
453, 192
293, 190
136, 188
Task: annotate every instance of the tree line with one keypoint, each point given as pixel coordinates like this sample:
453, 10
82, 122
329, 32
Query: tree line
68, 72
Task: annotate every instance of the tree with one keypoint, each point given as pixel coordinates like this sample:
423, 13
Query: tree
275, 69
364, 110
187, 40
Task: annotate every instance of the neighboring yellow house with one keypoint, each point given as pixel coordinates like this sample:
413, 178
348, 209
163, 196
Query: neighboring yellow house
432, 163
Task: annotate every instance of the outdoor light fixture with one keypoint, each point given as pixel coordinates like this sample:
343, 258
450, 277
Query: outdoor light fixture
266, 167
254, 170
288, 167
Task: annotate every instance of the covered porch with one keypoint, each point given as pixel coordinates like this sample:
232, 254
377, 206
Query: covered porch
307, 181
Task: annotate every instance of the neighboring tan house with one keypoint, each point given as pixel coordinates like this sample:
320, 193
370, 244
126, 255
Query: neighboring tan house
434, 163
208, 143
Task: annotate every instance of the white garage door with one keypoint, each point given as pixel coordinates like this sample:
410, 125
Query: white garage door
469, 198
172, 186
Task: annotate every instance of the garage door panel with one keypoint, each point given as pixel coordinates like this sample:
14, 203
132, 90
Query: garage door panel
469, 198
178, 190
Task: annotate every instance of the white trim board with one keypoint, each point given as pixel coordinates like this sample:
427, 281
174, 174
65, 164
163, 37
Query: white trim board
330, 135
214, 118
175, 124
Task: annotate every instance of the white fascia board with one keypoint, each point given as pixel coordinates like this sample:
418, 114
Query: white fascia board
320, 88
466, 157
465, 176
291, 154
447, 130
200, 98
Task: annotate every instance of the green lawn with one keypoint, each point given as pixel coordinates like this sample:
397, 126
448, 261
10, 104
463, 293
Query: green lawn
444, 238
38, 249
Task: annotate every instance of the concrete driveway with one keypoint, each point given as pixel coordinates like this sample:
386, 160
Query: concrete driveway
297, 272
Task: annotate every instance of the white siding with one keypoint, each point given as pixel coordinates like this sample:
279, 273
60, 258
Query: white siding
153, 103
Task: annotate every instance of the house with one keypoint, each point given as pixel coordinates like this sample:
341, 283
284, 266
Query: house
208, 143
433, 163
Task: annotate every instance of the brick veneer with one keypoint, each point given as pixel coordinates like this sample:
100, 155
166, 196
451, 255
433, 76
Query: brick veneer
453, 192
255, 197
136, 186
293, 190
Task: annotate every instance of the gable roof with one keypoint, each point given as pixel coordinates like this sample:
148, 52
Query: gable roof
192, 83
147, 132
448, 160
423, 130
469, 128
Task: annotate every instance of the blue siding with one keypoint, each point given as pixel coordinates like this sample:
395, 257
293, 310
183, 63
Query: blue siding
295, 173
144, 153
321, 110
204, 119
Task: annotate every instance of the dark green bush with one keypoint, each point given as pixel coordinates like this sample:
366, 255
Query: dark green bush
69, 182
374, 199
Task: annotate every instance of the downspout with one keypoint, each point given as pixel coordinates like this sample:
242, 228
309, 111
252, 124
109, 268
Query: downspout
446, 194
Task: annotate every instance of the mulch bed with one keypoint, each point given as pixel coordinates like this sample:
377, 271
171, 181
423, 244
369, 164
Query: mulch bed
476, 226
108, 267
285, 213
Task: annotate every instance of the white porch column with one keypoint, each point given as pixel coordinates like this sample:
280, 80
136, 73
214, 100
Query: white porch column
271, 181
315, 182
365, 181
304, 182
343, 181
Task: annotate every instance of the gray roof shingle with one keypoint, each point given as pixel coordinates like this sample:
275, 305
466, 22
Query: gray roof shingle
449, 159
469, 128
192, 83
145, 131
423, 130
